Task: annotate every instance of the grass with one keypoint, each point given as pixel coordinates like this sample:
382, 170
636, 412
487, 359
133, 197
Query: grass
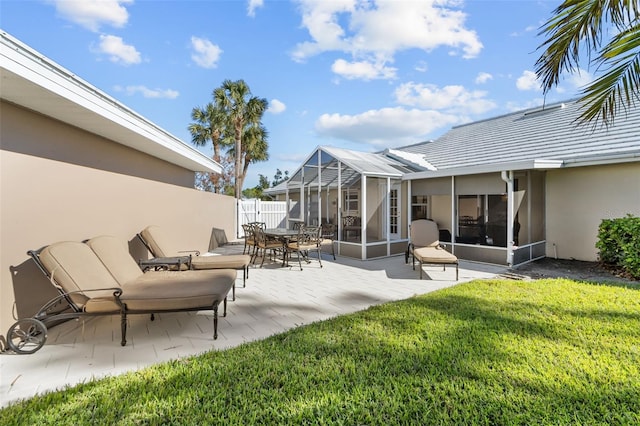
493, 352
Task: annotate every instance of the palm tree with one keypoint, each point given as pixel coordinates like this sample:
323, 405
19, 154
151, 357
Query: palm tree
581, 24
242, 109
209, 124
254, 147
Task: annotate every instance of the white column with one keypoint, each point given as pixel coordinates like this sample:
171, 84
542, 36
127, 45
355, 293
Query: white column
454, 229
508, 178
319, 194
339, 218
363, 219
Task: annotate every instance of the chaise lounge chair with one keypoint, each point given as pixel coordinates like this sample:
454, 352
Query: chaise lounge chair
425, 246
159, 245
101, 278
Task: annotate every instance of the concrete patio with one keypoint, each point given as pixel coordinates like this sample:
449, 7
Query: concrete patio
274, 300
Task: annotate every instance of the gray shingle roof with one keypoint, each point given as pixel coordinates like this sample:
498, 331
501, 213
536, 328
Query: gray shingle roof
536, 135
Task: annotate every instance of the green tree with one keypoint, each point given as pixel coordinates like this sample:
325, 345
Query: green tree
258, 190
243, 111
581, 25
278, 178
210, 124
254, 147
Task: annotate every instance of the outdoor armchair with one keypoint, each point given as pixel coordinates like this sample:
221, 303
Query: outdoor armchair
266, 243
309, 239
425, 247
328, 237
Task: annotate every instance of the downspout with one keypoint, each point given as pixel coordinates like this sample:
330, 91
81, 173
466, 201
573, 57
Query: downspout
507, 176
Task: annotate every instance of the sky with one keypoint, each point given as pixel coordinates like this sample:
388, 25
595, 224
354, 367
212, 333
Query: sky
358, 74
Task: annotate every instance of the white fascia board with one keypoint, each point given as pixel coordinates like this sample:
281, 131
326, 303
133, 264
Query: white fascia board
627, 157
107, 117
416, 159
541, 164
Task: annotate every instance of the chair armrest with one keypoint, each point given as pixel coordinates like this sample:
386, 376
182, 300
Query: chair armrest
197, 252
66, 296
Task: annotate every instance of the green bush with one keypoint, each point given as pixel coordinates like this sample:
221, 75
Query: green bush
619, 243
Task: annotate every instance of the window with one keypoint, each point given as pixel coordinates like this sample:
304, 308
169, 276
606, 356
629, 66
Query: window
419, 204
394, 216
350, 203
482, 219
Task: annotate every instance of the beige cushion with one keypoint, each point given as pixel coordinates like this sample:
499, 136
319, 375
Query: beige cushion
434, 255
161, 247
424, 233
169, 290
80, 267
230, 261
156, 239
174, 290
115, 256
75, 267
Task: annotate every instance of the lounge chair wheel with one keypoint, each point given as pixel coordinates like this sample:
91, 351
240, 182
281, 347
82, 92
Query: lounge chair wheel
27, 336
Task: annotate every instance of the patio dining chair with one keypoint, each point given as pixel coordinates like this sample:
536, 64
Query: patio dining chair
249, 238
266, 244
328, 237
308, 239
351, 224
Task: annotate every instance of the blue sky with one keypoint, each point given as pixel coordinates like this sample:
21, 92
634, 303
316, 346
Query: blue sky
357, 74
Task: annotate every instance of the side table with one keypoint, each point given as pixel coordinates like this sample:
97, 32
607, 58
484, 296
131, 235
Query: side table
164, 263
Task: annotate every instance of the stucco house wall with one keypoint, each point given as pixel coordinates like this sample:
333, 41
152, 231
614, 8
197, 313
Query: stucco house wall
58, 182
577, 199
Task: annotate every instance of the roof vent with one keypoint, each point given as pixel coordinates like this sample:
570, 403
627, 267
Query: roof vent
544, 109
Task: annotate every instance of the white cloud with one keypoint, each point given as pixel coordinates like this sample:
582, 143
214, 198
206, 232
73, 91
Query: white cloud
206, 54
276, 107
149, 93
384, 128
579, 79
363, 70
528, 81
381, 28
453, 99
117, 51
421, 66
91, 14
253, 5
483, 77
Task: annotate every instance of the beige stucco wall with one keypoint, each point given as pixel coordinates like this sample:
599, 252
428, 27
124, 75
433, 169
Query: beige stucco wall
60, 183
577, 200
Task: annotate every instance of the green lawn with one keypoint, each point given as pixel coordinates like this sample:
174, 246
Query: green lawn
487, 352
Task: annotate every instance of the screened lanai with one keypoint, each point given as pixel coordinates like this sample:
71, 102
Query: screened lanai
360, 193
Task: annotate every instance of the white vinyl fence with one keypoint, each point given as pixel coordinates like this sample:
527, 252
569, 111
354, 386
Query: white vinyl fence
273, 213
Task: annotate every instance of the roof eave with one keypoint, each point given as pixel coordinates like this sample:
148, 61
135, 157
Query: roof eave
34, 82
539, 164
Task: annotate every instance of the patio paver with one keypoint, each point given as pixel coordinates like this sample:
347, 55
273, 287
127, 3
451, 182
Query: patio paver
275, 299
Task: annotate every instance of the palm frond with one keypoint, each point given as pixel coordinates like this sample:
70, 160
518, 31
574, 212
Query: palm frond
620, 83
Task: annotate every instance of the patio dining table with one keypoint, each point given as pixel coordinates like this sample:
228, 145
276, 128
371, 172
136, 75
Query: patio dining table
283, 234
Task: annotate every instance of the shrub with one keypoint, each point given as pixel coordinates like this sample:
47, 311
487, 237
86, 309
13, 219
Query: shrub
619, 243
